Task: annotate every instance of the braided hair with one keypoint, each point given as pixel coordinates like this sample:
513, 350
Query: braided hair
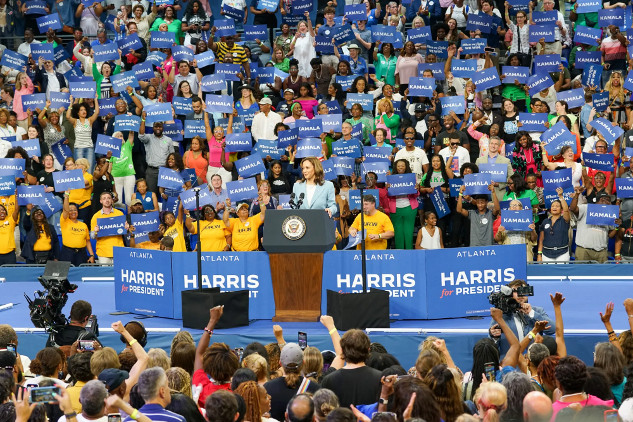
249, 391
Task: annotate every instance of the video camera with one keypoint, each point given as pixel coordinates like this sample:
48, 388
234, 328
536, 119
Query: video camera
504, 300
46, 307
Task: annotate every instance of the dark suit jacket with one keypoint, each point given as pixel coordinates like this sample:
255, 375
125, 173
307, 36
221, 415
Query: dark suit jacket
42, 79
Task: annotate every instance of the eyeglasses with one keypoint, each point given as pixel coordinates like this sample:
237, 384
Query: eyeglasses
408, 138
454, 144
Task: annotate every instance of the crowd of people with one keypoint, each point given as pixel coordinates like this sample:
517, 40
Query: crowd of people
446, 91
532, 377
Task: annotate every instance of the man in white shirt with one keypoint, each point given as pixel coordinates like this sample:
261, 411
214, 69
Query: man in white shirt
25, 47
418, 161
560, 31
264, 122
455, 155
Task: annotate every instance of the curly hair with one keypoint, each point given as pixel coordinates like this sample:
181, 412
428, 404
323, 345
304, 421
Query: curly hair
220, 362
79, 366
127, 359
546, 370
179, 380
46, 362
257, 364
324, 402
274, 354
249, 391
446, 391
571, 374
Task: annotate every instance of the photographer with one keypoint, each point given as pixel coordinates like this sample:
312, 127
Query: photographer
522, 320
80, 314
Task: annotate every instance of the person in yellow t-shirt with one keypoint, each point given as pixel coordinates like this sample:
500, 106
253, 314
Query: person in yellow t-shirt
153, 243
214, 236
41, 243
8, 221
105, 243
378, 225
81, 197
244, 228
173, 227
76, 246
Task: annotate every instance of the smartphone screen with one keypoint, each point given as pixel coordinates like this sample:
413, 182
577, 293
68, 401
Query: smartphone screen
86, 345
611, 416
239, 351
114, 417
490, 371
11, 348
44, 394
302, 340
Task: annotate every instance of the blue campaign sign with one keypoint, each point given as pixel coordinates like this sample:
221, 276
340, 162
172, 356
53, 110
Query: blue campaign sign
31, 146
170, 179
472, 45
188, 198
44, 50
233, 13
342, 166
421, 87
13, 60
241, 190
61, 151
533, 122
602, 162
547, 62
205, 59
286, 138
86, 89
588, 6
112, 226
436, 68
225, 27
121, 81
195, 128
607, 129
585, 58
382, 33
247, 115
401, 184
160, 39
50, 205
250, 165
355, 12
47, 22
587, 35
123, 122
354, 197
323, 45
107, 143
480, 21
517, 220
574, 97
462, 289
486, 79
328, 170
376, 154
538, 82
592, 76
255, 32
180, 52
146, 222
330, 122
266, 75
158, 112
557, 137
557, 179
7, 185
299, 7
477, 184
333, 107
365, 100
309, 147
439, 203
547, 32
497, 171
345, 81
439, 48
624, 186
172, 204
418, 143
455, 185
173, 130
230, 271
228, 71
525, 202
35, 7
268, 147
380, 168
238, 142
551, 196
423, 34
357, 131
219, 103
156, 57
309, 128
33, 101
350, 148
131, 42
344, 33
143, 282
105, 52
60, 99
453, 103
628, 82
182, 105
463, 68
608, 17
400, 273
189, 176
33, 194
543, 18
602, 215
267, 4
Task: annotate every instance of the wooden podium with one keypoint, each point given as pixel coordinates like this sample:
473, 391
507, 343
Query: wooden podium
296, 241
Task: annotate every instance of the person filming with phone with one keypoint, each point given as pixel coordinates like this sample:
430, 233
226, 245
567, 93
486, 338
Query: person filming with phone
517, 313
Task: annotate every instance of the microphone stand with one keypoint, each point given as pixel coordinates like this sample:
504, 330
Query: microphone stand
363, 254
199, 243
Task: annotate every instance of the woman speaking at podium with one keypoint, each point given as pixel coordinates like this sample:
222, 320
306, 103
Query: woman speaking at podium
313, 192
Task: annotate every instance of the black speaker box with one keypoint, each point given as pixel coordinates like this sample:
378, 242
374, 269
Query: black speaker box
359, 310
197, 303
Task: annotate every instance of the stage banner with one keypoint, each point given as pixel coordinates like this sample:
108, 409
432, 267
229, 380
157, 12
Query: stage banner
229, 271
462, 288
143, 282
399, 272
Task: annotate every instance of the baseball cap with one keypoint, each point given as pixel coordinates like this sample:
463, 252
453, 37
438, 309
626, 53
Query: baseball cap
265, 100
136, 201
291, 355
242, 205
601, 195
113, 378
289, 90
419, 107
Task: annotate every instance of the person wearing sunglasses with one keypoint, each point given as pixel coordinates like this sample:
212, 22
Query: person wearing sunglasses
454, 154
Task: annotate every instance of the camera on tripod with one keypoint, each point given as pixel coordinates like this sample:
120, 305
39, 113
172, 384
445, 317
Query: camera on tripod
504, 300
46, 307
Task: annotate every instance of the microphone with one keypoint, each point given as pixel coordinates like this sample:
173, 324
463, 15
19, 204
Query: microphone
291, 202
301, 196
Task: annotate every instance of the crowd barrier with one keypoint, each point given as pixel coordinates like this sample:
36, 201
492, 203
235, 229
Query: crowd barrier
445, 283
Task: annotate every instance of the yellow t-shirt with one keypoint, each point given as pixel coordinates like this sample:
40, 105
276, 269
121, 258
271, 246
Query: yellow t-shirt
9, 202
374, 224
177, 233
213, 235
79, 196
73, 393
245, 236
148, 245
105, 244
74, 234
43, 242
7, 238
